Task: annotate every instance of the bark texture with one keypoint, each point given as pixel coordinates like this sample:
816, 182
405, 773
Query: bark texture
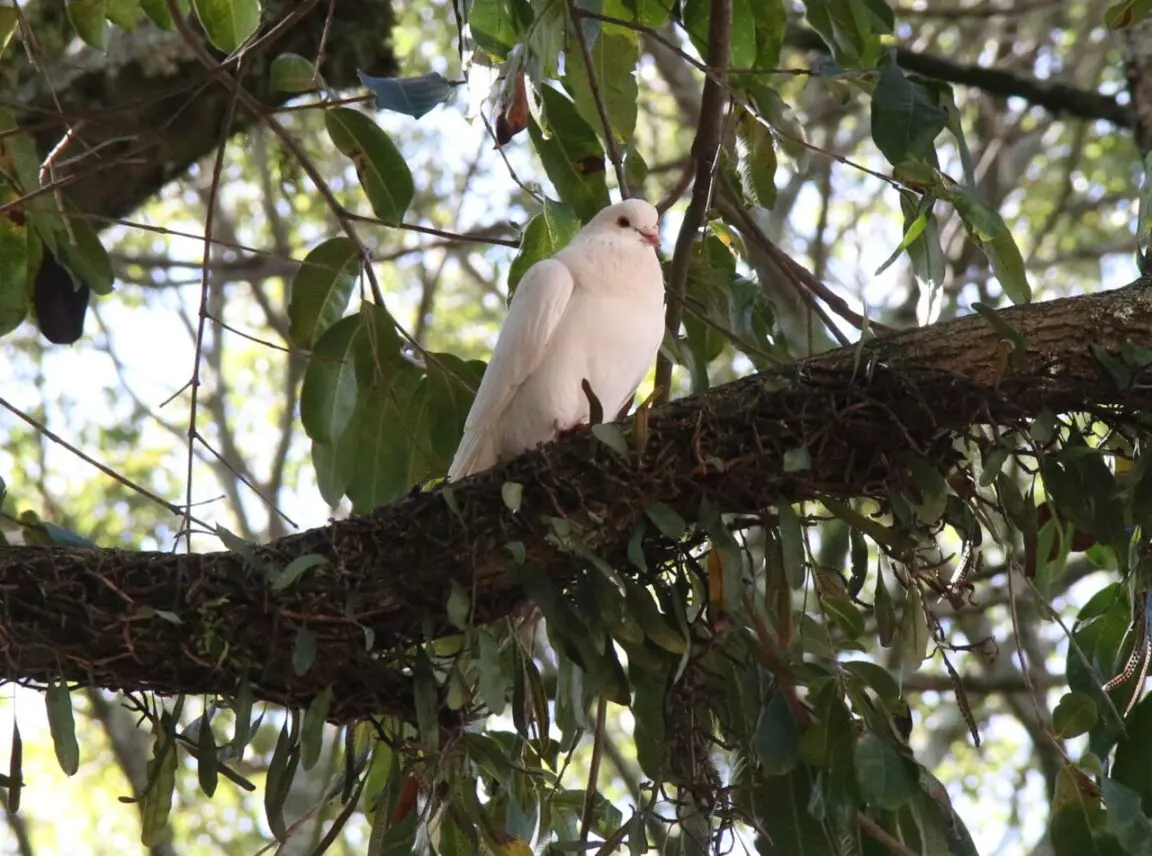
147, 110
197, 623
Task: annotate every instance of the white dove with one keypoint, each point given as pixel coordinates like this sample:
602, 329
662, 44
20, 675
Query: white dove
595, 312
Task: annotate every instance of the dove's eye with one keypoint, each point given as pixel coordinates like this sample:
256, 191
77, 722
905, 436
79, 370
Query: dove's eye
623, 222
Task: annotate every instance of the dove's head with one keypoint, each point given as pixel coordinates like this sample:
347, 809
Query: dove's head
631, 220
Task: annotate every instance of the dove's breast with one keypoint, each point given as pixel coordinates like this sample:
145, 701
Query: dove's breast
610, 338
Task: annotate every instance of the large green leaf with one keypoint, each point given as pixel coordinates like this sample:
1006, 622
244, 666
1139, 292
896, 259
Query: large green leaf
905, 117
447, 392
742, 53
321, 289
383, 174
228, 23
15, 293
988, 229
614, 57
545, 234
571, 154
157, 12
329, 392
851, 28
88, 17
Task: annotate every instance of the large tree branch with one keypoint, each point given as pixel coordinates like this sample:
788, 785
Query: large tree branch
1061, 99
91, 615
147, 111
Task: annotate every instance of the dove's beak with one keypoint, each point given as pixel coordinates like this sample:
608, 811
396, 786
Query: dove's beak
650, 236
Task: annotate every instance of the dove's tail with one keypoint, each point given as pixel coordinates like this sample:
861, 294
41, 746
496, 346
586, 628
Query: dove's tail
475, 453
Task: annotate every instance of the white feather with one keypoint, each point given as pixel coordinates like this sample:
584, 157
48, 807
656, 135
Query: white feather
592, 312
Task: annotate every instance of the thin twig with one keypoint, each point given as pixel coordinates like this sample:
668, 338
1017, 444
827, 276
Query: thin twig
42, 429
705, 149
593, 772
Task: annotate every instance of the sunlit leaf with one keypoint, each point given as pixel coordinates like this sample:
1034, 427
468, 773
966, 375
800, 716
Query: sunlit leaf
228, 23
291, 72
321, 290
381, 168
614, 57
572, 155
312, 731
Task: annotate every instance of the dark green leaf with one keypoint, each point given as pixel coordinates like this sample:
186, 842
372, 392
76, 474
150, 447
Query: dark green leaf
312, 731
777, 736
670, 524
157, 11
383, 173
572, 155
914, 634
905, 117
162, 776
885, 777
207, 767
792, 545
15, 267
1126, 818
295, 568
15, 769
1074, 715
303, 651
329, 393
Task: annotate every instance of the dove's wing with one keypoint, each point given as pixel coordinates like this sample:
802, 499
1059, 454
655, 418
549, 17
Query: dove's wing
537, 306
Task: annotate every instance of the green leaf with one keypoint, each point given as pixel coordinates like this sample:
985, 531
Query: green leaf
295, 568
321, 290
162, 776
62, 726
281, 769
989, 231
791, 545
876, 677
1074, 715
757, 154
207, 766
447, 390
670, 524
905, 117
329, 480
777, 737
512, 493
228, 23
124, 13
376, 455
303, 651
381, 168
614, 57
1126, 818
291, 72
493, 682
914, 634
242, 709
413, 96
15, 769
545, 235
494, 26
849, 28
1128, 13
86, 258
613, 438
459, 608
15, 266
742, 52
1132, 766
9, 23
884, 776
329, 393
312, 731
157, 11
88, 17
571, 153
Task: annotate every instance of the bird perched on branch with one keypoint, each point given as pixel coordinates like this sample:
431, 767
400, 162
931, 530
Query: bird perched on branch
593, 312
